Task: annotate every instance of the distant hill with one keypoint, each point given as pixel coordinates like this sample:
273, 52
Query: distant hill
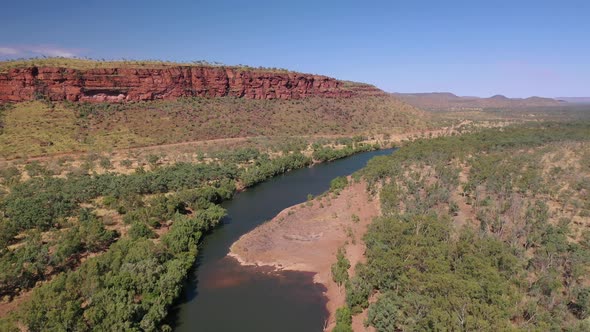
449, 101
575, 100
499, 97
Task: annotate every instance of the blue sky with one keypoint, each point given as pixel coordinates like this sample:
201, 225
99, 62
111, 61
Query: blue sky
516, 48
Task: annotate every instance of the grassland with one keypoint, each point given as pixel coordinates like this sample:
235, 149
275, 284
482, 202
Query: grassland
38, 128
35, 128
83, 64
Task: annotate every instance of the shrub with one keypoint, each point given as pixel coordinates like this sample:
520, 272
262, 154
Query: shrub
339, 183
10, 175
105, 163
126, 163
35, 168
343, 320
141, 230
340, 268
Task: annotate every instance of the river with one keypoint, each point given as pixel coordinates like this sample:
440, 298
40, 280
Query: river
222, 295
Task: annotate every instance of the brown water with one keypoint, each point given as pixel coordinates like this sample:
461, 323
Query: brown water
222, 295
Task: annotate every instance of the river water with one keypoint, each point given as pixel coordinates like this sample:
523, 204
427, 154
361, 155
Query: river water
221, 295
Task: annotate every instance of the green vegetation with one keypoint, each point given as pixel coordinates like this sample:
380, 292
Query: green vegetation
263, 171
322, 153
470, 237
343, 320
3, 108
27, 263
45, 202
129, 287
430, 282
10, 176
113, 249
340, 268
338, 183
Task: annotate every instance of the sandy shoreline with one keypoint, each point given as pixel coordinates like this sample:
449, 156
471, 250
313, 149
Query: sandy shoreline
307, 236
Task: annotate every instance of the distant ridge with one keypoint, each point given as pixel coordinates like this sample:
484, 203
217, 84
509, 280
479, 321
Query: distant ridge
575, 100
431, 94
450, 101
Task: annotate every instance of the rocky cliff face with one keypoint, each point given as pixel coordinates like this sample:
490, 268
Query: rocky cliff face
137, 84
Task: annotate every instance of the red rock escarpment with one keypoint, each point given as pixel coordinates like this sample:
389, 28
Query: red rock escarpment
137, 84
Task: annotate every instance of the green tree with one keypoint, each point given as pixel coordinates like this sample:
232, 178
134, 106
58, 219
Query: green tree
340, 268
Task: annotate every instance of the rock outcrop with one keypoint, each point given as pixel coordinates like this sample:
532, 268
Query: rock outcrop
139, 84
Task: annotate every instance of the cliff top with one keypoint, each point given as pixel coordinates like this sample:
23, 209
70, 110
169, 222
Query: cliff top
85, 64
81, 64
